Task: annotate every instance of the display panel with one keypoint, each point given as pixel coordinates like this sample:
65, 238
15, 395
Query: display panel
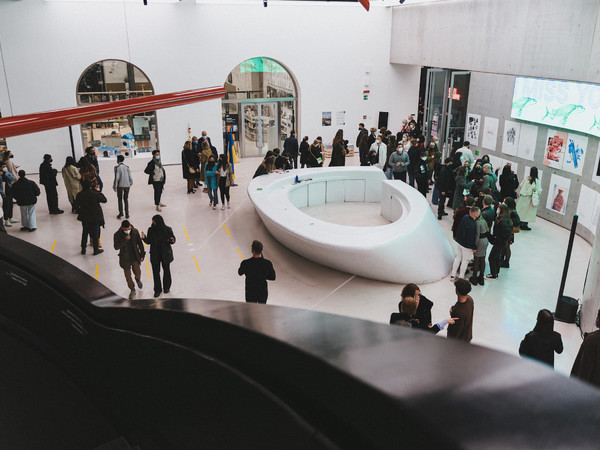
563, 104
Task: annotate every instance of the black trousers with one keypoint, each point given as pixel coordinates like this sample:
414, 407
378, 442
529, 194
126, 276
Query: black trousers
158, 189
441, 203
166, 281
51, 198
123, 196
224, 190
295, 161
494, 258
91, 229
400, 175
7, 206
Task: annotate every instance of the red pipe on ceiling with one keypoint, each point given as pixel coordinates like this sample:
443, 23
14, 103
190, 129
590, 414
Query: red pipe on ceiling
365, 4
31, 123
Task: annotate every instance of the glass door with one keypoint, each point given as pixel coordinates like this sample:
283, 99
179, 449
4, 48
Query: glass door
436, 101
260, 130
457, 109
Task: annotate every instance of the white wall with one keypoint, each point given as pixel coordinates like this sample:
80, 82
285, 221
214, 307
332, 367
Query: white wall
47, 45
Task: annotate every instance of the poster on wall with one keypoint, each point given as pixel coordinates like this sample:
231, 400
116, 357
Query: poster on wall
596, 215
473, 123
527, 141
490, 133
558, 194
435, 123
586, 206
510, 138
575, 153
596, 171
340, 118
554, 151
326, 119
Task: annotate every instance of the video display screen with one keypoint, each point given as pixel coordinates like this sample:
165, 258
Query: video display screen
562, 104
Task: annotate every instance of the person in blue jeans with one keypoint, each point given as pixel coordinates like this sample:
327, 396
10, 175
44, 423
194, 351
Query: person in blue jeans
210, 172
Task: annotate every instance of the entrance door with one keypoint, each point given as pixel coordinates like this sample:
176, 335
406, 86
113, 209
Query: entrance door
436, 103
457, 109
260, 131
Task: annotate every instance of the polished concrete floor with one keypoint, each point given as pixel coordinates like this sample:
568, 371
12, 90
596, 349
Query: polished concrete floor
210, 246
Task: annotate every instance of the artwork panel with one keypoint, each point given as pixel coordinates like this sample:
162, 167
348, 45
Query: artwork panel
554, 149
472, 129
575, 153
586, 206
558, 194
510, 137
527, 141
490, 133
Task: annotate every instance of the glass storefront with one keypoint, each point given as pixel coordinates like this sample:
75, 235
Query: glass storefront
260, 106
112, 80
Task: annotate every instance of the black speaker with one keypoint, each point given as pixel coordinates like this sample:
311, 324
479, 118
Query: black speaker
383, 119
566, 309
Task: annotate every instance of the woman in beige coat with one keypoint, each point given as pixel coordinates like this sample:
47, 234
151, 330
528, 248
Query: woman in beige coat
72, 180
529, 198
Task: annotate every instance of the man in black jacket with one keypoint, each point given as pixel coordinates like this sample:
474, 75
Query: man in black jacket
290, 147
257, 270
87, 204
48, 180
443, 183
92, 157
157, 177
362, 131
25, 192
466, 242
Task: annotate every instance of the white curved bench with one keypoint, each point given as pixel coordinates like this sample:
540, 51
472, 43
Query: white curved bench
411, 249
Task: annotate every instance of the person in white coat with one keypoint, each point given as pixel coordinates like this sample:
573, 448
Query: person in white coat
467, 154
529, 192
378, 153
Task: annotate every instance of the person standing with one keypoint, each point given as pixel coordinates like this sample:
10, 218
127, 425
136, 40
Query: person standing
121, 185
88, 172
509, 183
421, 173
461, 187
87, 203
210, 171
414, 153
8, 199
48, 180
338, 152
204, 138
160, 238
466, 154
399, 162
378, 153
128, 242
587, 363
315, 155
25, 192
290, 146
543, 341
72, 180
6, 179
204, 155
362, 131
462, 312
466, 242
225, 179
529, 198
499, 239
188, 166
156, 177
304, 152
92, 157
257, 270
443, 184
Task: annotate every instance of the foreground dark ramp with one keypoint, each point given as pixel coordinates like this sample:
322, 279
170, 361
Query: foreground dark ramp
82, 371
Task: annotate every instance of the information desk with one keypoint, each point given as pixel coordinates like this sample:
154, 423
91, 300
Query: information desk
411, 249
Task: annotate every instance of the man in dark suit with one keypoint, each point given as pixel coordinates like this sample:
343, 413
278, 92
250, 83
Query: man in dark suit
48, 180
87, 203
361, 131
257, 270
290, 148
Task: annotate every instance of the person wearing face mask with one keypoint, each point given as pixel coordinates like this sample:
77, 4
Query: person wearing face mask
157, 176
210, 170
362, 131
399, 161
422, 174
92, 157
378, 153
587, 363
90, 214
48, 180
160, 238
128, 242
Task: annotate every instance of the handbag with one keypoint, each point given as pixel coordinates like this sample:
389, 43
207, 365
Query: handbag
192, 170
516, 230
535, 198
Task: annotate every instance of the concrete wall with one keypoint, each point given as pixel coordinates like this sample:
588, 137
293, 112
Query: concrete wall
540, 38
47, 45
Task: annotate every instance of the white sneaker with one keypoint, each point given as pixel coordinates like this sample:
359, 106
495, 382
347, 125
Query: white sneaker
13, 220
7, 223
223, 207
228, 205
158, 209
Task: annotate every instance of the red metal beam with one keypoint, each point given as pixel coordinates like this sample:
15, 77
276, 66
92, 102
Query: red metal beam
365, 4
31, 123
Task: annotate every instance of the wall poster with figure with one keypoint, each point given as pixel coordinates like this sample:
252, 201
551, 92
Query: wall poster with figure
576, 148
326, 119
554, 152
510, 138
473, 123
490, 133
558, 194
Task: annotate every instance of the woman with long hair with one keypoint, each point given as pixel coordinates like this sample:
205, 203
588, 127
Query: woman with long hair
462, 185
501, 235
160, 238
479, 256
543, 341
315, 156
225, 179
88, 172
529, 191
338, 152
205, 153
363, 149
188, 166
210, 173
508, 183
72, 179
304, 146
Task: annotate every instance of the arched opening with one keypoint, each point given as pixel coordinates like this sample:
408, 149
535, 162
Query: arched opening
111, 80
260, 107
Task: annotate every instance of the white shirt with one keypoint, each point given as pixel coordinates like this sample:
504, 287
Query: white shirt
467, 155
382, 149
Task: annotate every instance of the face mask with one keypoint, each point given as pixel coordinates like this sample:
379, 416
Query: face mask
5, 170
157, 157
399, 150
127, 231
424, 158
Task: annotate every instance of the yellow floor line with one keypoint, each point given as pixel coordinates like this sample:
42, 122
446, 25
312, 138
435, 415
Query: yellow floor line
196, 261
227, 230
186, 235
147, 269
53, 245
97, 267
240, 253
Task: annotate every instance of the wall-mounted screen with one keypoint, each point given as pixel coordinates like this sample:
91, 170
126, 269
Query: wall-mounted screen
562, 104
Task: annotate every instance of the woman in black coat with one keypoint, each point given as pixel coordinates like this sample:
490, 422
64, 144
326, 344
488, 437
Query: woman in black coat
543, 341
160, 238
338, 153
315, 155
502, 233
508, 183
304, 152
188, 166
